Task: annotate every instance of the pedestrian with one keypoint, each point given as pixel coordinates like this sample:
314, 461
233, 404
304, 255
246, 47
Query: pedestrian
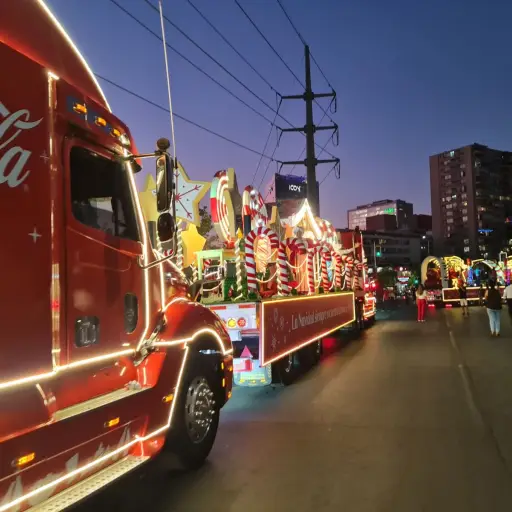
493, 304
463, 296
421, 302
481, 295
507, 294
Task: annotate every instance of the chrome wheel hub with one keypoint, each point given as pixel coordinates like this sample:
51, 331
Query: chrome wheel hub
199, 409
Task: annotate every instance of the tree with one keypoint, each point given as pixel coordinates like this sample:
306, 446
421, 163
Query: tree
206, 221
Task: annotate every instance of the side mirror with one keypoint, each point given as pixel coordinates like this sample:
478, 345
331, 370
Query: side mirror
165, 227
164, 175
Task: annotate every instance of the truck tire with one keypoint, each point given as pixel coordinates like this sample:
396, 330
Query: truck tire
287, 368
309, 355
197, 413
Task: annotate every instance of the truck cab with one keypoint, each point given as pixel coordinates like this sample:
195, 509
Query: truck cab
101, 368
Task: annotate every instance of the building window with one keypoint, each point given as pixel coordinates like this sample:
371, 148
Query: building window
464, 219
466, 249
452, 153
466, 241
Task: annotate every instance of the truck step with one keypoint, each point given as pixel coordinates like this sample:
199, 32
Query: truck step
90, 485
95, 403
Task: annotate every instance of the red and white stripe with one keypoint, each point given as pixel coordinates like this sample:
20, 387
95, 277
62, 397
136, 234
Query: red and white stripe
254, 206
325, 256
358, 275
349, 265
282, 268
312, 251
250, 262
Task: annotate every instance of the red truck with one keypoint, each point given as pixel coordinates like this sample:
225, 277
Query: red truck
102, 364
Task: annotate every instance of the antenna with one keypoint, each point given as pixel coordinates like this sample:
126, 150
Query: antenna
160, 5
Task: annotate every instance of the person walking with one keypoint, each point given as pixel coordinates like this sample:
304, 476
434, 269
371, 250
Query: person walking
421, 302
463, 296
493, 304
507, 294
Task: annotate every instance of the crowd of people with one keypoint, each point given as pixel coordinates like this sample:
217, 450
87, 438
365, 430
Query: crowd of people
490, 297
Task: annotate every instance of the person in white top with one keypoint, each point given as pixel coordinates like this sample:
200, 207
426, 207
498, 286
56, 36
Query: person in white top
507, 295
421, 302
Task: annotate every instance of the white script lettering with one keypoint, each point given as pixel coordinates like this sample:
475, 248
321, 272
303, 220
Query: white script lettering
15, 158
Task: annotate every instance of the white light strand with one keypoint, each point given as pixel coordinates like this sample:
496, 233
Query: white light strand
179, 250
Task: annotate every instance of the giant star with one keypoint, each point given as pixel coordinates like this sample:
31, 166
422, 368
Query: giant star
188, 196
192, 243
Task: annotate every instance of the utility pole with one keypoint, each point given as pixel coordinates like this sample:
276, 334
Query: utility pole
309, 129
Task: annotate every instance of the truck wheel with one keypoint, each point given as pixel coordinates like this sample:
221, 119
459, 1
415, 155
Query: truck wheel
287, 369
197, 413
316, 351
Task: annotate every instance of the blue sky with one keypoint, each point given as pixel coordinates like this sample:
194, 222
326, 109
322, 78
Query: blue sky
413, 79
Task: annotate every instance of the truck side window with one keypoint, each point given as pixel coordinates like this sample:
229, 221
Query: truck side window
100, 194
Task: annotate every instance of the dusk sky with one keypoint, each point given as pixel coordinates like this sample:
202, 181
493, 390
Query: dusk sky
412, 78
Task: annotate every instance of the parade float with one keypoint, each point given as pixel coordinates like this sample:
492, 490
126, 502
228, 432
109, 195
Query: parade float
443, 276
280, 280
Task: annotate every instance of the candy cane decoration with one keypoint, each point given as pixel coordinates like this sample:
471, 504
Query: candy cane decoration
282, 267
358, 270
253, 205
337, 273
238, 267
250, 263
312, 250
325, 255
349, 265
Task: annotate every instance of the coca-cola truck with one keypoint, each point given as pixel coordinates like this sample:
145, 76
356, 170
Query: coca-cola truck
102, 364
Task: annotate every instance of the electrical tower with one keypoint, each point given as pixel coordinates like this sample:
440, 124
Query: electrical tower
309, 129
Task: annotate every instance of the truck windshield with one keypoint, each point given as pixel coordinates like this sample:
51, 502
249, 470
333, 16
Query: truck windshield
100, 194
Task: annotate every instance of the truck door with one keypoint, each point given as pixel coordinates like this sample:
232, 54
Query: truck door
104, 299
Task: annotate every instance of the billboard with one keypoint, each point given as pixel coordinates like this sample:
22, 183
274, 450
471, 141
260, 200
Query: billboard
290, 187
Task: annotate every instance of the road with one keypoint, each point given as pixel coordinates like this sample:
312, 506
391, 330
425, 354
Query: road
410, 417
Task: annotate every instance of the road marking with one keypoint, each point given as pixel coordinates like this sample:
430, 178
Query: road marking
467, 384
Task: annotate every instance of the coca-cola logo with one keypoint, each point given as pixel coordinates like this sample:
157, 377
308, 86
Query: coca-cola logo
13, 158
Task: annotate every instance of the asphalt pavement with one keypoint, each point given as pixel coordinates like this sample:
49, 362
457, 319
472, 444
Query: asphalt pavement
410, 417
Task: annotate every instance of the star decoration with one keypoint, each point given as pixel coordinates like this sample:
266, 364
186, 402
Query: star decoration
148, 200
192, 243
188, 196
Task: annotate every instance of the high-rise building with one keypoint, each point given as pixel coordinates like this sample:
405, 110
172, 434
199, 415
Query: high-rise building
471, 195
402, 210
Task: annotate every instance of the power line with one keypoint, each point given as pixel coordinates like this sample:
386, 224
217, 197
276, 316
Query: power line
304, 148
278, 54
223, 37
177, 52
269, 43
193, 123
213, 59
327, 175
265, 148
154, 34
303, 41
268, 165
299, 35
